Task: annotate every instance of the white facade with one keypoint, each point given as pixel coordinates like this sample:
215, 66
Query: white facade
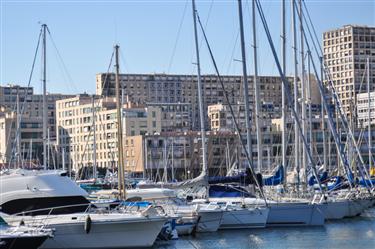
363, 109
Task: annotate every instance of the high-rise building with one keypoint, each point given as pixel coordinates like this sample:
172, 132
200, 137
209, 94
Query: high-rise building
346, 50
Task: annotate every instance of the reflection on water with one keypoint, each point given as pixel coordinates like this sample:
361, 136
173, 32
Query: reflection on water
350, 233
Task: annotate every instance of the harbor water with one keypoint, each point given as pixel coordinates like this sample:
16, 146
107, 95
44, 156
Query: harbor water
358, 232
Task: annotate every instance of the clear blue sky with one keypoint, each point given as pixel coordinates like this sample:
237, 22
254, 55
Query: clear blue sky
85, 32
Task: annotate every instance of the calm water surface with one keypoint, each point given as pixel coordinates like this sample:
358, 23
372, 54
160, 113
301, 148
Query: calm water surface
356, 232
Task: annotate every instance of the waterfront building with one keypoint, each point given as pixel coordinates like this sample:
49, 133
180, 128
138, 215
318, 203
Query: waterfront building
346, 50
363, 109
30, 144
172, 88
76, 128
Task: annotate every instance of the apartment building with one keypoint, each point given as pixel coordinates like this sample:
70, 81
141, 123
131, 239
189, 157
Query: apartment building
220, 117
30, 106
346, 50
169, 88
75, 121
176, 117
31, 103
363, 109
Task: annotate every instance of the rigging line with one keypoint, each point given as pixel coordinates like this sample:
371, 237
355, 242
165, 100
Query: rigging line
286, 86
206, 22
26, 92
339, 146
233, 51
106, 77
177, 37
311, 24
344, 120
62, 61
231, 111
363, 78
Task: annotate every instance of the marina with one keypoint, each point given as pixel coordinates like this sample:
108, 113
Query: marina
200, 160
348, 233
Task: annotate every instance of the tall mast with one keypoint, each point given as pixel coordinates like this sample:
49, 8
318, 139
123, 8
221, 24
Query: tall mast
200, 99
369, 115
309, 100
325, 160
283, 93
18, 132
120, 158
45, 110
303, 94
94, 138
256, 89
245, 86
295, 88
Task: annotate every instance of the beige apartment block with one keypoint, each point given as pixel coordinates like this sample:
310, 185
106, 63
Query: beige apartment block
346, 50
75, 124
221, 119
173, 88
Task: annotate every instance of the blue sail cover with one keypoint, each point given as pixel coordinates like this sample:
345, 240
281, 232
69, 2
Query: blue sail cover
367, 182
276, 179
336, 184
228, 191
323, 177
242, 178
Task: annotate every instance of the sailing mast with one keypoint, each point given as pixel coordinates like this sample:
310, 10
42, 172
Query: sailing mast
45, 111
303, 95
18, 137
256, 89
309, 100
245, 86
295, 88
283, 94
120, 158
325, 161
94, 137
369, 115
200, 100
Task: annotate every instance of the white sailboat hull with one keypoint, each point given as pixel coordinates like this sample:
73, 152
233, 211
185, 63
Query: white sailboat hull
209, 220
244, 218
336, 209
295, 214
106, 231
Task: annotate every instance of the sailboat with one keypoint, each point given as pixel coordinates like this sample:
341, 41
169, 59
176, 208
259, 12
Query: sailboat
51, 199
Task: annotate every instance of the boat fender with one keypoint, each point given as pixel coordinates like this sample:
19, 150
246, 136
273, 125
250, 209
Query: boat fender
87, 226
194, 232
